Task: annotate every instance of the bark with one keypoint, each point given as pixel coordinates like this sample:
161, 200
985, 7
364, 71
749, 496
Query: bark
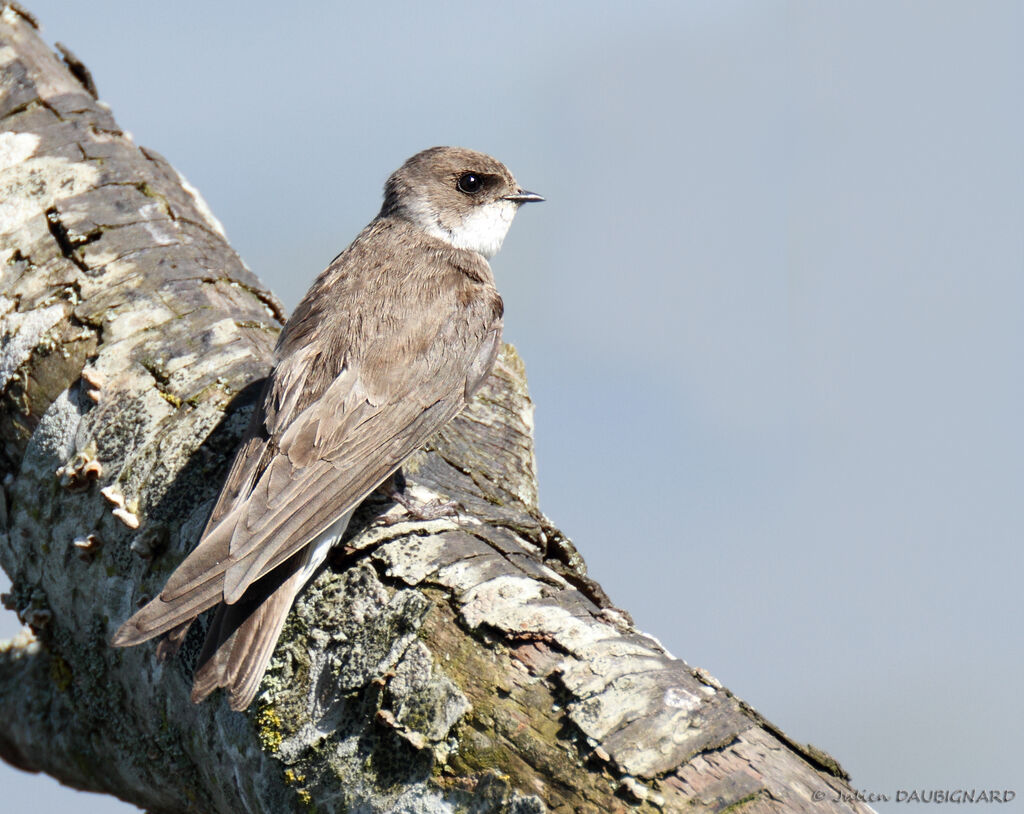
463, 664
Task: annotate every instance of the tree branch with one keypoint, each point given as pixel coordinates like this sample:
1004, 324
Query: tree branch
432, 665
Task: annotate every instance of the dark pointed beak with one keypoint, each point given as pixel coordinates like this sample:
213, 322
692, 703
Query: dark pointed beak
521, 196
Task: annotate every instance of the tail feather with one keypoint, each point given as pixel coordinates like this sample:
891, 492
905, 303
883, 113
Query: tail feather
242, 637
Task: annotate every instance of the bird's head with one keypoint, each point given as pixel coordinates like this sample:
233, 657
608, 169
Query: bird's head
465, 198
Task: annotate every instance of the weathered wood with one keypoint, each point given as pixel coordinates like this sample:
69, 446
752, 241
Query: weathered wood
433, 666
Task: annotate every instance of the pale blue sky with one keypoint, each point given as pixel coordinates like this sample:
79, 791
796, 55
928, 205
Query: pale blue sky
771, 312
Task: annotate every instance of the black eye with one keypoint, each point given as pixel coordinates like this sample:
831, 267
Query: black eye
470, 183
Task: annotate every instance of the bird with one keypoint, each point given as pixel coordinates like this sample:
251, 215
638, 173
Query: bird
389, 344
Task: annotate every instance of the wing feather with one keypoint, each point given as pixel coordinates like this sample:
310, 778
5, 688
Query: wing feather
319, 493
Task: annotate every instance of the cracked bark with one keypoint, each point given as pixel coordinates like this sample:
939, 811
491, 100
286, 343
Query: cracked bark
465, 664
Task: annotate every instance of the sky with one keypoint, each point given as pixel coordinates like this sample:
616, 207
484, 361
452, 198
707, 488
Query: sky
771, 311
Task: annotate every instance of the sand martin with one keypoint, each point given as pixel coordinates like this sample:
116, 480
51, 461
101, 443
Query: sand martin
389, 344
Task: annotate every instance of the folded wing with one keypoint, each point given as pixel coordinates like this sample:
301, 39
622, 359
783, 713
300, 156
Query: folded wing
341, 411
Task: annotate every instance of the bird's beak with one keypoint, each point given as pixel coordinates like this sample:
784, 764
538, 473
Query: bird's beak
521, 196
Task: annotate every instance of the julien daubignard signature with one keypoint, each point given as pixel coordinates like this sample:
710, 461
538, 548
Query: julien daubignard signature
954, 796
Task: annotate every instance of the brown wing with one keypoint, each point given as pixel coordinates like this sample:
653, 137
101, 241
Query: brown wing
380, 354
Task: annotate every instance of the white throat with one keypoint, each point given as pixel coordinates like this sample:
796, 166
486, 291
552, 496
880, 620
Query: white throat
482, 230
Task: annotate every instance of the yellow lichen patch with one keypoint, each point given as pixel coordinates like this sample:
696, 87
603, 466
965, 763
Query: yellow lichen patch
170, 398
269, 727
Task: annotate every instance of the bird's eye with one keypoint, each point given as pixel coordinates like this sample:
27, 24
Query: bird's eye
469, 183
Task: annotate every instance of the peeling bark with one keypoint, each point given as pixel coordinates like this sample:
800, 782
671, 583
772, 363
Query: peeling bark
458, 664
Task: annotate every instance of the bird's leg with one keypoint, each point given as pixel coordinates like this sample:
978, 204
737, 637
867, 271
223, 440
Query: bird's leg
394, 489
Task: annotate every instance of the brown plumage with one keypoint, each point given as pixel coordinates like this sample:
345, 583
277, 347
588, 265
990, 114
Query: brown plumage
388, 345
